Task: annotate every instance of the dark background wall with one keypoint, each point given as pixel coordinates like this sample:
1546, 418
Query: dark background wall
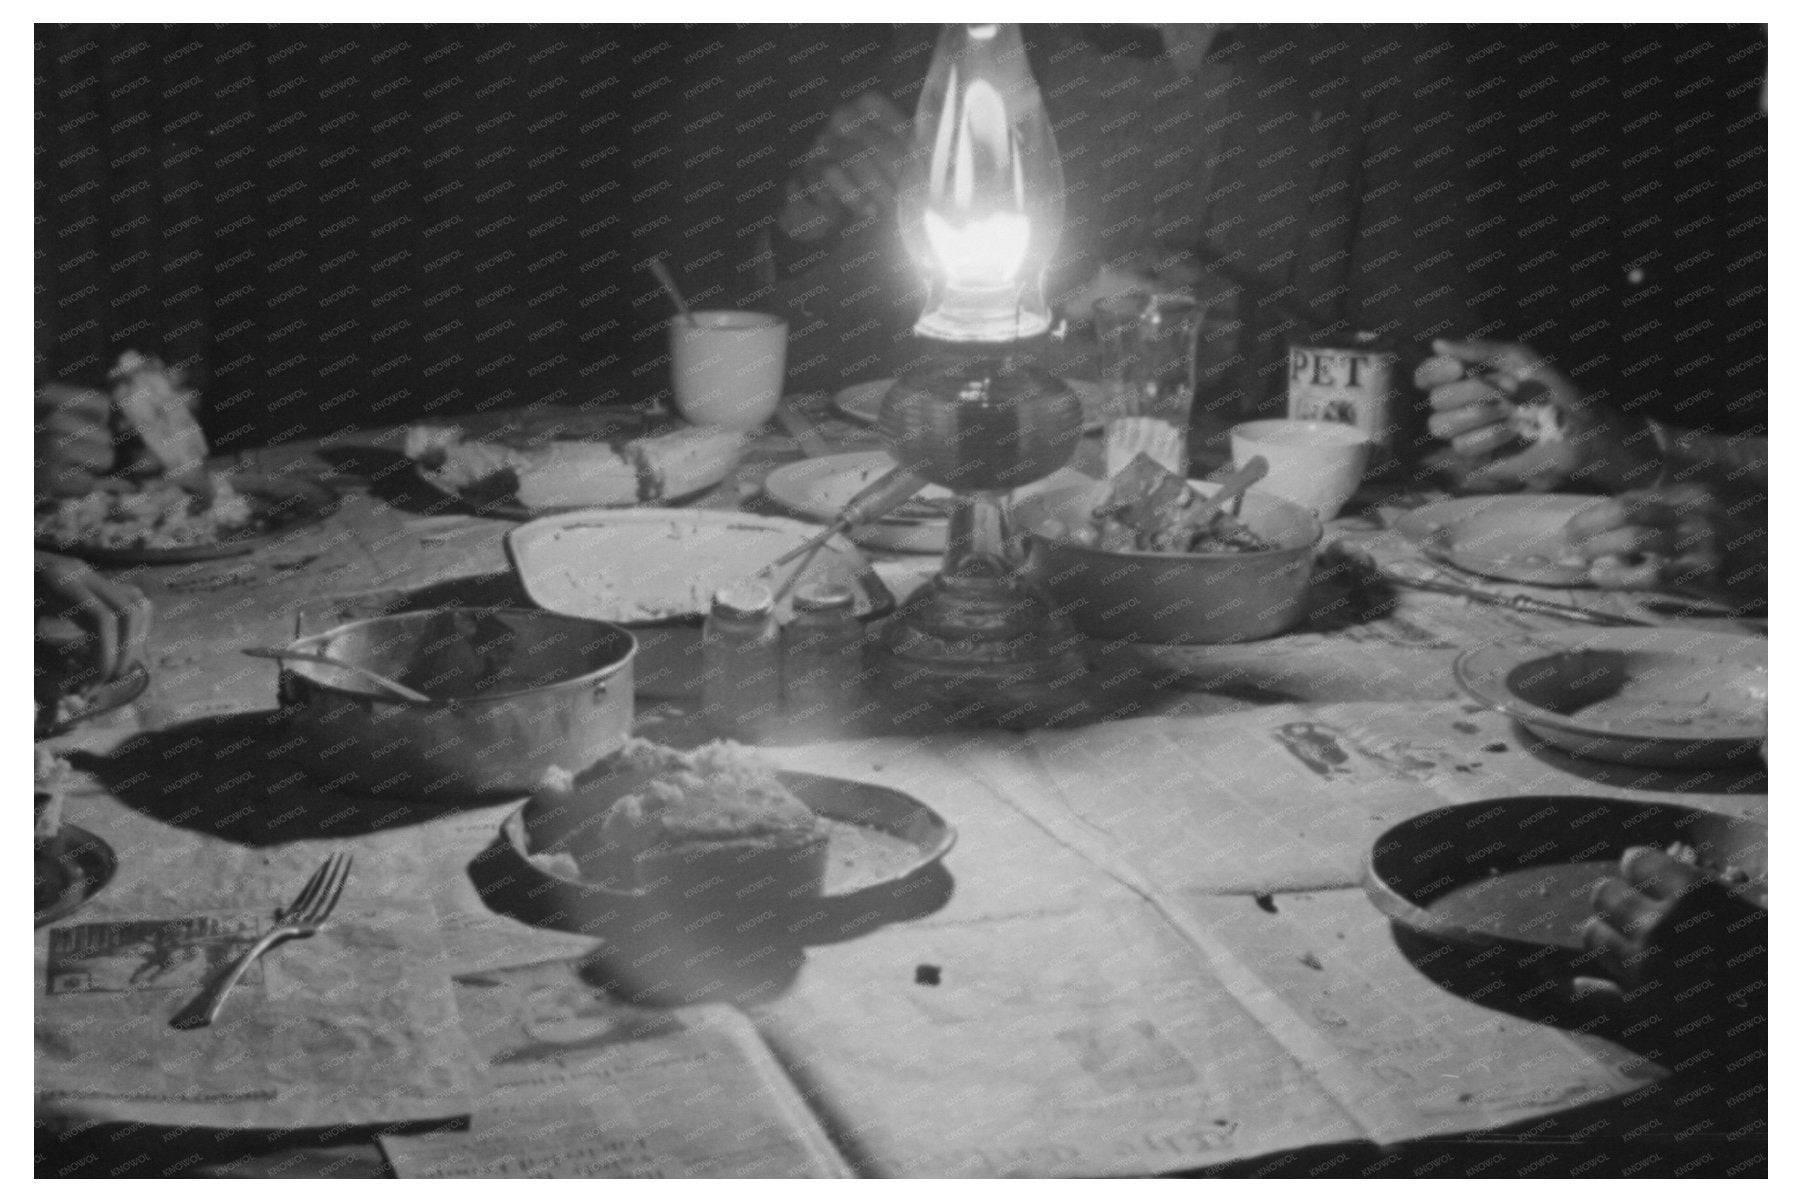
357, 224
361, 224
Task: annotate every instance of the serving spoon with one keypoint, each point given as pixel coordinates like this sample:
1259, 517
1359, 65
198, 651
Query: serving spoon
1230, 489
392, 687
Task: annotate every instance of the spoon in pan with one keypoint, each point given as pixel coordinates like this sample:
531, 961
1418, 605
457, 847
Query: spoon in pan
1228, 493
392, 687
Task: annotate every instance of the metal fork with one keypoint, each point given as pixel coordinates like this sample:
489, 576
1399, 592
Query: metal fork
299, 919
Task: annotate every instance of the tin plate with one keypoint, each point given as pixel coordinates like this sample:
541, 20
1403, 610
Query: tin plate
80, 866
1528, 887
1658, 697
1519, 538
637, 566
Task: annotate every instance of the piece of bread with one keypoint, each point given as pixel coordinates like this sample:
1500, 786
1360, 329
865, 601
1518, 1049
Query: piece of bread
713, 832
568, 475
575, 473
50, 774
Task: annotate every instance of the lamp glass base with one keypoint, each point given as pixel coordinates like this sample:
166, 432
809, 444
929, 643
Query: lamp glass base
979, 641
984, 647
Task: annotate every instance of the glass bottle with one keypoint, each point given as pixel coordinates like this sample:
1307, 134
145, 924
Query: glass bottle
741, 661
822, 654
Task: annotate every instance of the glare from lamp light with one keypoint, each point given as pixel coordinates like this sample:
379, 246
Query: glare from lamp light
983, 252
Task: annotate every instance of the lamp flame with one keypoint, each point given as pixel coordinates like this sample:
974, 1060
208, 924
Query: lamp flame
983, 217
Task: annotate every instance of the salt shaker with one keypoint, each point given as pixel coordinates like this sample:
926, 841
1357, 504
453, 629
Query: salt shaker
741, 661
822, 653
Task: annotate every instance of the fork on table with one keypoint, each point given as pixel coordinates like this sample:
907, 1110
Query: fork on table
299, 919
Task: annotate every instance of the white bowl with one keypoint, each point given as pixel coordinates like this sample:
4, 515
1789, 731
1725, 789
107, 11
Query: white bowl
1317, 465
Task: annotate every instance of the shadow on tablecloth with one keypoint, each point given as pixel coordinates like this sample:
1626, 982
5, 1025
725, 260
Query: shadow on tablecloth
233, 778
1746, 777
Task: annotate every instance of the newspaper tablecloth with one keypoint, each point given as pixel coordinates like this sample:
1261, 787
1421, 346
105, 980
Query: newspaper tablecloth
1109, 985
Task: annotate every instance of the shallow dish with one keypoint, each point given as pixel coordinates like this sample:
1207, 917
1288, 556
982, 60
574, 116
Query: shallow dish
1658, 697
284, 504
1517, 872
660, 565
876, 837
863, 402
1517, 537
1174, 597
819, 489
80, 864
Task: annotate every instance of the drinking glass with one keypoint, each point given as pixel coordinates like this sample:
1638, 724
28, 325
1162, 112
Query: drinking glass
1148, 372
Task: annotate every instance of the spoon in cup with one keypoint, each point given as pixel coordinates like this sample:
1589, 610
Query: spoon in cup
665, 278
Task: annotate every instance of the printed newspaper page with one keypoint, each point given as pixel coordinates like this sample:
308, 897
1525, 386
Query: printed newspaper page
1238, 812
352, 1026
1080, 1042
574, 1084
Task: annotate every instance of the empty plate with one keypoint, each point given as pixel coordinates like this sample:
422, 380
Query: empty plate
1655, 697
819, 489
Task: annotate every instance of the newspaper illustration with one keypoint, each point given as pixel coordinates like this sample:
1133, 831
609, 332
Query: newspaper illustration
354, 1025
179, 953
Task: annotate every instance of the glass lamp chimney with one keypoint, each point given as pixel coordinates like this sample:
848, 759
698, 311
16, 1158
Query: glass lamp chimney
982, 206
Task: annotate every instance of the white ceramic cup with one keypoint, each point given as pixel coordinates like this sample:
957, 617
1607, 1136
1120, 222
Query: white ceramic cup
726, 366
1318, 465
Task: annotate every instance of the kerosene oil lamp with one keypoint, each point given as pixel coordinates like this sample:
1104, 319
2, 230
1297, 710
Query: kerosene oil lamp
981, 211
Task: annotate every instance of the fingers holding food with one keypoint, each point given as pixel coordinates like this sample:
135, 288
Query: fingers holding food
1658, 875
104, 623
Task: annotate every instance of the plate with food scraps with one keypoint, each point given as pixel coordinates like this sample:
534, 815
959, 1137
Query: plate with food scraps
1516, 873
876, 837
863, 402
1519, 537
1655, 697
68, 872
523, 474
159, 522
653, 566
72, 709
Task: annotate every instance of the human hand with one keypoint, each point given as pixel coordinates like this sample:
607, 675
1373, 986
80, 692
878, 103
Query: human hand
853, 169
1680, 537
1668, 932
75, 445
1525, 425
98, 624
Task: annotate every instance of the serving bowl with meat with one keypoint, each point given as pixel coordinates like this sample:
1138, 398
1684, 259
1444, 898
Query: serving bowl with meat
1133, 558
